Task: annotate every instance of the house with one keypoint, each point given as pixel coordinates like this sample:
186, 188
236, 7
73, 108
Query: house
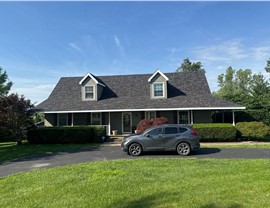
121, 101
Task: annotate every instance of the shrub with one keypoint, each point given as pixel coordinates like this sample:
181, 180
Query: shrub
216, 132
64, 135
6, 135
147, 123
254, 131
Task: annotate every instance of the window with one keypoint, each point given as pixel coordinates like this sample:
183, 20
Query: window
96, 118
182, 130
155, 132
62, 119
158, 90
89, 92
150, 114
183, 117
171, 130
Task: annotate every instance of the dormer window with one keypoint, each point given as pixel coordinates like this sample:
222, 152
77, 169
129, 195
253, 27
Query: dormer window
158, 89
158, 85
89, 92
91, 88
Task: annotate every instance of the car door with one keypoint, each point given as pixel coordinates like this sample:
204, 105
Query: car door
153, 140
170, 136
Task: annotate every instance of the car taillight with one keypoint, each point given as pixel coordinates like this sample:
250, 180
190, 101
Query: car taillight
194, 132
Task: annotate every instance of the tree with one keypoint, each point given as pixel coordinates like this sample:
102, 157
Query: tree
188, 66
15, 115
5, 85
267, 68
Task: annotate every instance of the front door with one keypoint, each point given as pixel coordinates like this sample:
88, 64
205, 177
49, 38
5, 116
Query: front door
126, 122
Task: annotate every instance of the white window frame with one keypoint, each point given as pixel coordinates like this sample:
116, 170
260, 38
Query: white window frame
178, 119
100, 122
146, 114
94, 92
153, 90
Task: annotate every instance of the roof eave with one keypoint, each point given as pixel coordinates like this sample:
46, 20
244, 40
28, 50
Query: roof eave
158, 71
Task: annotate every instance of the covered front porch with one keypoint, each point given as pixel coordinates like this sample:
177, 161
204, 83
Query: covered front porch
125, 122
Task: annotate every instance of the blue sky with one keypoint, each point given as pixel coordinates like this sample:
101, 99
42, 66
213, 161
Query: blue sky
43, 41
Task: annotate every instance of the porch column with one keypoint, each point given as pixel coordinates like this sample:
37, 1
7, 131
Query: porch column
191, 117
71, 119
233, 117
109, 124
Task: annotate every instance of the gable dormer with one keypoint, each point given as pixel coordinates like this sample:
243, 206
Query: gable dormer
158, 85
91, 88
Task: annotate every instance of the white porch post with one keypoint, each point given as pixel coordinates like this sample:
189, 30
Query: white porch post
109, 124
71, 119
233, 117
191, 117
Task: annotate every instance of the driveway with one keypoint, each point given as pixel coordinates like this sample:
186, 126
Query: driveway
114, 152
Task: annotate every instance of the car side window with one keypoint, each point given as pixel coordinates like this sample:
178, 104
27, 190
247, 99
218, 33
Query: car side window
182, 130
171, 130
155, 132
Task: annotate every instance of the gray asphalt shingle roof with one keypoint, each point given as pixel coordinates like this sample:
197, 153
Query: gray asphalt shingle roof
185, 90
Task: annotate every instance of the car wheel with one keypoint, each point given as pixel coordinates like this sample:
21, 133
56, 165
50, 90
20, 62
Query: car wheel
183, 149
135, 149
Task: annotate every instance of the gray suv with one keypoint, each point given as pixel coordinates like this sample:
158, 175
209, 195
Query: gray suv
167, 137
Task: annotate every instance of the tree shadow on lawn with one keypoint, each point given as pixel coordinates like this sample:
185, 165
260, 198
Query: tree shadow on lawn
163, 199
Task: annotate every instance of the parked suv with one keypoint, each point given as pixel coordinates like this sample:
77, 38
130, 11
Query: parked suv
167, 137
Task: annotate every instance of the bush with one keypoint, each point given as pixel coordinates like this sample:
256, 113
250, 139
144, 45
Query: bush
147, 123
257, 131
6, 135
216, 132
64, 135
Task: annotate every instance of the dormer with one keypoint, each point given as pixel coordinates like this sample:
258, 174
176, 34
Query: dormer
91, 88
158, 85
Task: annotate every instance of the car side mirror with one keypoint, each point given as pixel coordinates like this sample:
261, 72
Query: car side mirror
147, 135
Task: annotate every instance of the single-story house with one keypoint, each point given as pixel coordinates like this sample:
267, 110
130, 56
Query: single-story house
121, 101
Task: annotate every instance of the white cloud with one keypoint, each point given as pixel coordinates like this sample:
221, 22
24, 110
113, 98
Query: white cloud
35, 92
119, 45
228, 51
261, 53
76, 48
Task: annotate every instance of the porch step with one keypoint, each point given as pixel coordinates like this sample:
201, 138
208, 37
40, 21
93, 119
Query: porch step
115, 139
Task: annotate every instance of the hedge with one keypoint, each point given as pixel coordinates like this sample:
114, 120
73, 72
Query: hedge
216, 132
257, 131
64, 135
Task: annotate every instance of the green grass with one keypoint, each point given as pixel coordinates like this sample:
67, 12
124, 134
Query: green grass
143, 183
9, 150
235, 145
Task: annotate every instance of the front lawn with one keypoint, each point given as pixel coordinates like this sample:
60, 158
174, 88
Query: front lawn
143, 183
9, 150
256, 145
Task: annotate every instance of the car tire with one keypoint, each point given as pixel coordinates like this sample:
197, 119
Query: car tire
135, 149
183, 149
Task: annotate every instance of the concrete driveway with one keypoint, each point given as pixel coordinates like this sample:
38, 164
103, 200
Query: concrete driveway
109, 152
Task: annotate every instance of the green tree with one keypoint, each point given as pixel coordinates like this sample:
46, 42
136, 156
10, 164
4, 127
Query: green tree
5, 85
267, 68
15, 115
188, 66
